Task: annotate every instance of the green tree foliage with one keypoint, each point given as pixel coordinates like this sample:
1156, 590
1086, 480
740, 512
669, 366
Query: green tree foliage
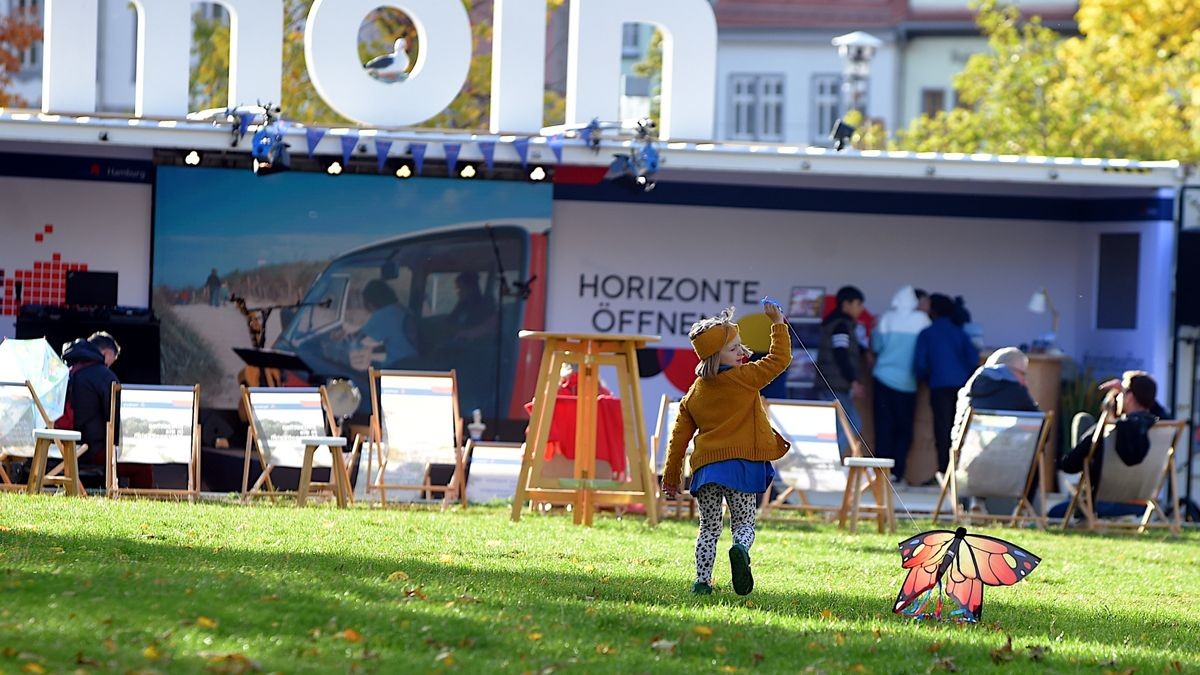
301, 103
652, 68
18, 32
1127, 86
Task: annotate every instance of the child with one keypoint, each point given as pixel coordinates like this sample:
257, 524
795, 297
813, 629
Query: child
734, 442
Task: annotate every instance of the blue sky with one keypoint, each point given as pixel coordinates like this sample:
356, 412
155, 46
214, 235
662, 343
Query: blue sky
233, 220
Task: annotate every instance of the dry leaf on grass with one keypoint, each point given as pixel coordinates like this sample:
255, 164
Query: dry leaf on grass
205, 622
398, 576
934, 647
702, 631
445, 657
605, 649
826, 614
1003, 654
945, 663
535, 636
33, 667
839, 639
350, 635
233, 663
151, 653
1037, 652
664, 646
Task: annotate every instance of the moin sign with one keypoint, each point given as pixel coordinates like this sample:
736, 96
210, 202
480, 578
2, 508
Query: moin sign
444, 29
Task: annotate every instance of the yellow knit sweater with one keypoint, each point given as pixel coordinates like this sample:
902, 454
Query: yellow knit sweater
728, 413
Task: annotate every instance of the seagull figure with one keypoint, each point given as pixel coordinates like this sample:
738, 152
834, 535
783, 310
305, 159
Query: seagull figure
391, 67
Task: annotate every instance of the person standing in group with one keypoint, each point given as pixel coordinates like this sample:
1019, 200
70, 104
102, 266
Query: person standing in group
894, 342
734, 442
213, 285
945, 358
839, 356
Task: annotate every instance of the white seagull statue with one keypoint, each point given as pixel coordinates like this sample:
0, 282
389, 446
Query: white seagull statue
391, 67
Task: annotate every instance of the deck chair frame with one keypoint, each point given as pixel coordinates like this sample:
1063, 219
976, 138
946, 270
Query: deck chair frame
113, 489
264, 486
805, 506
1024, 510
455, 490
6, 483
1083, 497
668, 507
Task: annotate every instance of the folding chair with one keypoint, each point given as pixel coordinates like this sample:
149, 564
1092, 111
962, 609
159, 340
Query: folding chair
20, 413
154, 425
415, 424
668, 410
287, 425
1142, 482
997, 457
814, 462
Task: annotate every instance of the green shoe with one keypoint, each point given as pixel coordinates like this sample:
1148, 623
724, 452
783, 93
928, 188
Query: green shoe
739, 564
701, 588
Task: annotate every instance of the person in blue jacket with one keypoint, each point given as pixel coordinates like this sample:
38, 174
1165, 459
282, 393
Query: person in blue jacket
945, 358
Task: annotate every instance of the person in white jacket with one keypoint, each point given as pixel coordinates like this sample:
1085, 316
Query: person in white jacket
894, 341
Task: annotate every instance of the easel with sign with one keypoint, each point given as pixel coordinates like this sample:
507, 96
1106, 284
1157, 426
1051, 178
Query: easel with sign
588, 352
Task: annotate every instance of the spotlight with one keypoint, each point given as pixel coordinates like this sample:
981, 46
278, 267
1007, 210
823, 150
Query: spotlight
468, 171
192, 159
334, 169
841, 134
404, 172
537, 175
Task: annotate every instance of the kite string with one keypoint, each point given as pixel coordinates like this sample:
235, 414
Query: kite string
870, 453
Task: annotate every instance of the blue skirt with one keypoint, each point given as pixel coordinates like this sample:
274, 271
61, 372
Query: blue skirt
742, 475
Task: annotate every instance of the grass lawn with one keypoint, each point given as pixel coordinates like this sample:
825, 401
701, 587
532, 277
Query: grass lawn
96, 585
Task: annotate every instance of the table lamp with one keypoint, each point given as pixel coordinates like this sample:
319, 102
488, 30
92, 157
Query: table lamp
1040, 303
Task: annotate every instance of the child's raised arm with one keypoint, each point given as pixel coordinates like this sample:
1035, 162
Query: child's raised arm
759, 374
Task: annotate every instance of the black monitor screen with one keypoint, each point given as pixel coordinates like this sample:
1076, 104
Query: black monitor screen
92, 289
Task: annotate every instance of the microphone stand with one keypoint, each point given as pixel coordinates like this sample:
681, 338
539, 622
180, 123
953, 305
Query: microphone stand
521, 292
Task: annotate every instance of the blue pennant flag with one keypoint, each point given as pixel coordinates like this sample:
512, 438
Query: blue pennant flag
521, 145
418, 155
314, 137
488, 148
381, 152
348, 143
556, 144
244, 120
452, 150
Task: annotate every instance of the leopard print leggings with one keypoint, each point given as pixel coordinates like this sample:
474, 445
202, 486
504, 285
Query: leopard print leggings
743, 509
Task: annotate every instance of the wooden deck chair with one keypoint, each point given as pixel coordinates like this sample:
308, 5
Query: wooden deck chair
668, 410
492, 469
1143, 482
998, 456
814, 462
20, 413
154, 425
415, 424
280, 419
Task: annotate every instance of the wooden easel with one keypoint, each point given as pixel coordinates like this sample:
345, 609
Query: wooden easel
588, 351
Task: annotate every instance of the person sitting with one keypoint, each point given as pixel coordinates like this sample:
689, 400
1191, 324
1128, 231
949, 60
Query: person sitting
388, 336
999, 384
1131, 400
473, 316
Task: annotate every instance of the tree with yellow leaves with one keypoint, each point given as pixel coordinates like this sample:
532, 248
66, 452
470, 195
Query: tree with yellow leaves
19, 31
1127, 86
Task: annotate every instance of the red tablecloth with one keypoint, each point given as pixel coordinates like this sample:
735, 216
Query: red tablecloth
610, 430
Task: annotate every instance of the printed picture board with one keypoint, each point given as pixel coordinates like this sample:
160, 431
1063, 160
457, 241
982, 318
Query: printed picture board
418, 420
493, 471
283, 417
997, 453
814, 461
156, 425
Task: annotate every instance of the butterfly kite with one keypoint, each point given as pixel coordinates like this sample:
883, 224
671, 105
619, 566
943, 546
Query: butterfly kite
949, 570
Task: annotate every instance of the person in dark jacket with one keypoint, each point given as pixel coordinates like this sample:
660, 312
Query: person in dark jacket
839, 355
89, 392
1132, 400
945, 358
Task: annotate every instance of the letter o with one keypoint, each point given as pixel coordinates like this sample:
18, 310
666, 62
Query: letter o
612, 320
331, 52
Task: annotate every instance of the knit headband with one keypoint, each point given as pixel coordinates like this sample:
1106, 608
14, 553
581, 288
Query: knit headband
712, 340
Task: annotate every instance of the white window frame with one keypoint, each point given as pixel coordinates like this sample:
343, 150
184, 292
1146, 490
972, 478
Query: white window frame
826, 105
757, 107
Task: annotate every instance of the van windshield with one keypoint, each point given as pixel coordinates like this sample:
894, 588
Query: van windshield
432, 303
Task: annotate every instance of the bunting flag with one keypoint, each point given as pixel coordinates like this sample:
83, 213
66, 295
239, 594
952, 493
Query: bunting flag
348, 143
451, 150
418, 155
381, 152
586, 134
314, 137
556, 144
244, 119
488, 148
521, 145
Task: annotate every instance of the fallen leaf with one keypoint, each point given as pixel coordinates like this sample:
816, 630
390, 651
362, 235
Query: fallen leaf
350, 635
667, 646
110, 646
415, 594
702, 631
445, 657
858, 668
468, 599
839, 639
151, 653
33, 667
757, 658
605, 649
945, 663
1037, 652
534, 636
728, 669
398, 576
233, 663
720, 649
1003, 654
445, 558
877, 633
269, 598
934, 648
82, 660
826, 614
1173, 667
750, 604
205, 622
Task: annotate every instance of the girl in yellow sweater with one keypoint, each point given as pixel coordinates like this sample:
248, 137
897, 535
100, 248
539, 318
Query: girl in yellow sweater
734, 442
